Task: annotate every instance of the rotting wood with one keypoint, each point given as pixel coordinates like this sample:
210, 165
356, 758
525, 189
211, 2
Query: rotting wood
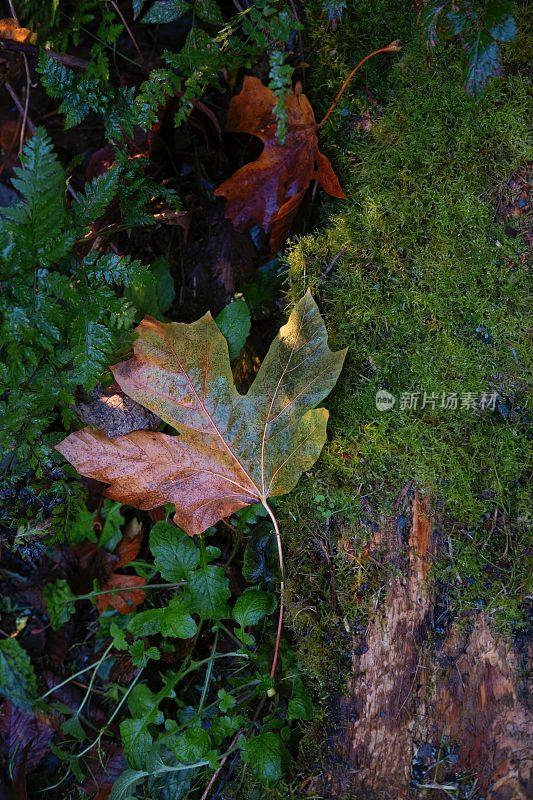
408, 694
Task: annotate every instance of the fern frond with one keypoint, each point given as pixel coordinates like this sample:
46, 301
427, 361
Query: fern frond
39, 219
97, 195
61, 83
92, 348
112, 269
153, 93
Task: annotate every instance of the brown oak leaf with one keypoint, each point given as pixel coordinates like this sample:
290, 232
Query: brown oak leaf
232, 449
269, 190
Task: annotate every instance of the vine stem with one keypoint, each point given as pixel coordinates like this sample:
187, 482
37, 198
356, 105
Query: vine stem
214, 776
117, 589
393, 47
96, 664
282, 588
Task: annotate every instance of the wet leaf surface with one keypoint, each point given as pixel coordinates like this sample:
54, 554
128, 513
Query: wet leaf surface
268, 191
232, 449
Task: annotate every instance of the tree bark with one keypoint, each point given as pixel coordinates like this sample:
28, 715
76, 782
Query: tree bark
422, 712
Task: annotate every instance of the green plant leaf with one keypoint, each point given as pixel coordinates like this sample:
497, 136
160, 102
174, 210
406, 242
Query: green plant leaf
118, 636
153, 290
192, 746
260, 562
137, 6
483, 63
173, 621
42, 183
265, 754
140, 656
209, 11
227, 701
59, 602
177, 621
232, 450
300, 705
125, 785
208, 592
166, 11
80, 529
17, 678
252, 606
142, 703
73, 727
160, 269
234, 322
111, 532
504, 30
224, 727
175, 553
136, 740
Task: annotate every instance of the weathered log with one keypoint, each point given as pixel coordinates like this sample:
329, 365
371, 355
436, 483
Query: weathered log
416, 706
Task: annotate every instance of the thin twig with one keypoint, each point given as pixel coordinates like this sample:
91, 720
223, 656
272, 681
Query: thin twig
11, 92
26, 104
31, 125
26, 47
33, 52
393, 47
28, 85
333, 261
128, 29
223, 760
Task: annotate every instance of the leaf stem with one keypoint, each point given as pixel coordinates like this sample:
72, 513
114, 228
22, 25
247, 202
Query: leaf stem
95, 665
393, 47
208, 672
116, 589
112, 717
281, 587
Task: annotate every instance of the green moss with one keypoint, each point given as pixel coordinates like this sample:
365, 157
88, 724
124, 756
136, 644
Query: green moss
430, 295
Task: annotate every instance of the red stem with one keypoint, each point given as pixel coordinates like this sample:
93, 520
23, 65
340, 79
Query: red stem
282, 589
393, 47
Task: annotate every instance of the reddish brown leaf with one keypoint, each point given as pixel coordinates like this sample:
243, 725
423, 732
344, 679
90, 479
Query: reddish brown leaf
103, 794
23, 731
124, 601
127, 550
130, 544
104, 769
9, 29
269, 190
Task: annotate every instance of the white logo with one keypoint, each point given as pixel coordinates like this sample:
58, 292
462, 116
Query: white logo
384, 400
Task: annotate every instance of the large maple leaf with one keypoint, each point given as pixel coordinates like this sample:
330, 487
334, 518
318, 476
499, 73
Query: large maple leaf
269, 190
232, 449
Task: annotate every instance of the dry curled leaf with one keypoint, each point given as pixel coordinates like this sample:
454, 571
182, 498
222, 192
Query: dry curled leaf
124, 601
269, 190
9, 29
232, 449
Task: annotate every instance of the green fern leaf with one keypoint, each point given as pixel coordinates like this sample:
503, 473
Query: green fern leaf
97, 196
39, 219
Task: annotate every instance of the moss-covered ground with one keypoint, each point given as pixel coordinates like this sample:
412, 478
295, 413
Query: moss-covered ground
428, 289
